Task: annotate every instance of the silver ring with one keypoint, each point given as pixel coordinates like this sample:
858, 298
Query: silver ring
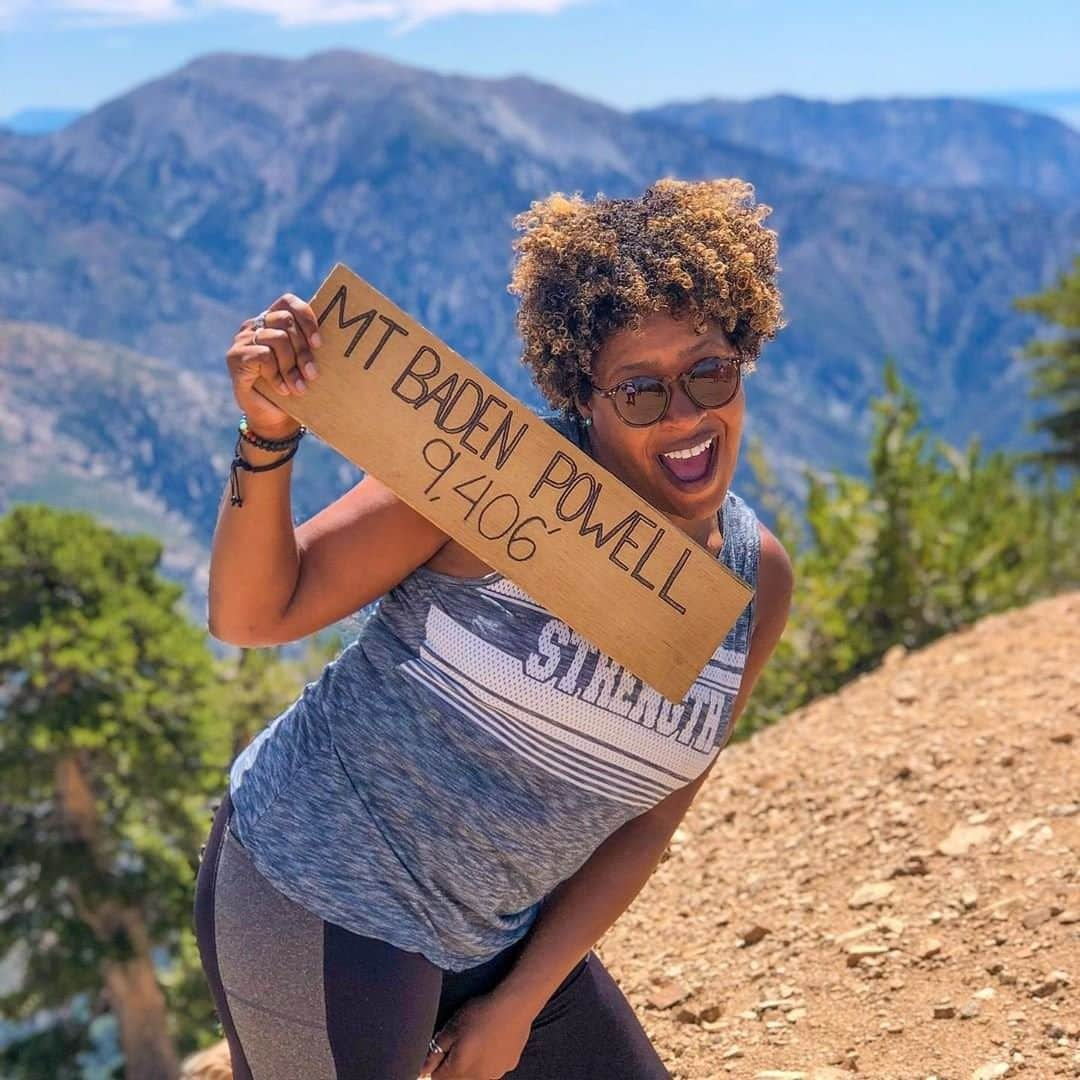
259, 321
255, 336
435, 1048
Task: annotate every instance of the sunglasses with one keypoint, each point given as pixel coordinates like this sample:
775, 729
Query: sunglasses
644, 399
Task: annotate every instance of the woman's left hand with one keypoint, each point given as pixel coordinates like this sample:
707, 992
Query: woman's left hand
483, 1040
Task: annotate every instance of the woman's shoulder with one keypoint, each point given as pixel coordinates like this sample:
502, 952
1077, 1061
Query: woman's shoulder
740, 520
759, 558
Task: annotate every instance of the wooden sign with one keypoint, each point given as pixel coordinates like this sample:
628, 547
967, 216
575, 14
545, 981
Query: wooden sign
451, 443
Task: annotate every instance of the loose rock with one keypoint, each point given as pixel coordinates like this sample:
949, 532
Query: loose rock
871, 893
963, 838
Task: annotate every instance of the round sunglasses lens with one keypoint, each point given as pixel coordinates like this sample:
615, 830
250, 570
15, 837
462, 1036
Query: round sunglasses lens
641, 401
714, 381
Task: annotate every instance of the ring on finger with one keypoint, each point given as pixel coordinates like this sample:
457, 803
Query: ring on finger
259, 321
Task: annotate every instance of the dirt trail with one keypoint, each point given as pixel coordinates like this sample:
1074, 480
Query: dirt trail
887, 883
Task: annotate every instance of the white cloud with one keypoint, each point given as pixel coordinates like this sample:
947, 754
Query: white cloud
121, 11
415, 12
407, 14
99, 13
289, 13
10, 10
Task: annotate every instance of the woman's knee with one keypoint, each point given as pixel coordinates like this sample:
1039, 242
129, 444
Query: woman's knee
589, 1030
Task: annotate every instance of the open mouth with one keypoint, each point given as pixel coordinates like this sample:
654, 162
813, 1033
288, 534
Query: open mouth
690, 468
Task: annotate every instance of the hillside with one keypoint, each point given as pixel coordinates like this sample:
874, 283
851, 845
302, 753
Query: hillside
886, 885
139, 442
908, 848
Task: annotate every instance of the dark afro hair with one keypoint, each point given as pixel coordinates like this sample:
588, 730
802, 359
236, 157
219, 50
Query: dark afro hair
587, 269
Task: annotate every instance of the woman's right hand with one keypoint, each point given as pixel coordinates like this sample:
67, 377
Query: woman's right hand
282, 351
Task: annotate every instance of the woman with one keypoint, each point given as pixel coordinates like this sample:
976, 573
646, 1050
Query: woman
413, 861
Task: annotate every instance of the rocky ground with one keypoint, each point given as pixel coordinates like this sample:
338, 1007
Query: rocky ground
886, 885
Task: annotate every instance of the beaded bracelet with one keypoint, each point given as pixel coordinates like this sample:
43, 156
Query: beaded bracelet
269, 444
240, 463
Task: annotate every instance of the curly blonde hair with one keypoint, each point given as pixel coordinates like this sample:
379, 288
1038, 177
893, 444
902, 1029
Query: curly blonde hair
588, 269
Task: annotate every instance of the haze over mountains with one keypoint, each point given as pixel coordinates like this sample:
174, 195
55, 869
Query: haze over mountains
158, 221
39, 121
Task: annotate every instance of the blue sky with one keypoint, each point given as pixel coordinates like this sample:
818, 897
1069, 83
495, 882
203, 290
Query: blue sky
79, 53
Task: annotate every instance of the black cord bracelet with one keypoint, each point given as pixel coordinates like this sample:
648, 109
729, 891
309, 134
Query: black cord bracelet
240, 463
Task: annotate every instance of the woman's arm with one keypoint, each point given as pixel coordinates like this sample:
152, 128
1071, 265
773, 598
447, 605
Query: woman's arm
580, 910
270, 582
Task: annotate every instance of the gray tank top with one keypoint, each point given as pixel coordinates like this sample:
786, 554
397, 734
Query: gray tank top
467, 753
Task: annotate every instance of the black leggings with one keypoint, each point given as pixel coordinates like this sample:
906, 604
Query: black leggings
301, 997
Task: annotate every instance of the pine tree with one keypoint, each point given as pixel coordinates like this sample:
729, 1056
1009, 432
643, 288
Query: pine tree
933, 539
1057, 372
110, 749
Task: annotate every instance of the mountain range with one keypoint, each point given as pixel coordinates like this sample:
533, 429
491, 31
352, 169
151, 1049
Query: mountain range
135, 239
924, 142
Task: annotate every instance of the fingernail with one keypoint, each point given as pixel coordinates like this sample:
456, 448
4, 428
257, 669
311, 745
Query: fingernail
300, 384
316, 341
312, 370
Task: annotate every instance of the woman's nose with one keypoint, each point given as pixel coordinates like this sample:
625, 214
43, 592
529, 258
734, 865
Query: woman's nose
681, 407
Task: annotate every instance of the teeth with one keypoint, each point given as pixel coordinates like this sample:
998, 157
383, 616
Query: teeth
692, 452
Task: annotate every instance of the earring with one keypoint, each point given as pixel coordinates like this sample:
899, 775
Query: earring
586, 421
